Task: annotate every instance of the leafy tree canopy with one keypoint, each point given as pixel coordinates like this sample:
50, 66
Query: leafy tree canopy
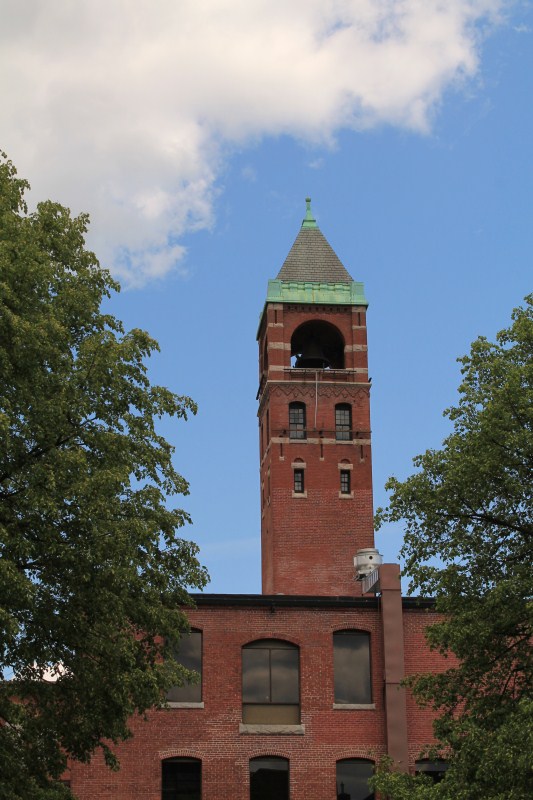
469, 543
93, 575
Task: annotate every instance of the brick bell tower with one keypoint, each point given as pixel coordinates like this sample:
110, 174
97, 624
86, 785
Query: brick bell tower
314, 423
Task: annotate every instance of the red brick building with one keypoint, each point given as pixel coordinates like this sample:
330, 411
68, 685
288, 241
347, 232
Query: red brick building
300, 686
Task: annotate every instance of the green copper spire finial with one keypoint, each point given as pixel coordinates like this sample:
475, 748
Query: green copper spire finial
309, 221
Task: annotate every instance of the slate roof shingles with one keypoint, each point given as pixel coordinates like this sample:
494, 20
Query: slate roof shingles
312, 258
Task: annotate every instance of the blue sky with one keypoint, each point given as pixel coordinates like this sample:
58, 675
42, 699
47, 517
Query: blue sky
193, 135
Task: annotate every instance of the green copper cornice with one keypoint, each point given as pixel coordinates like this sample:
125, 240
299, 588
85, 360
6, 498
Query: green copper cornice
352, 294
346, 294
309, 221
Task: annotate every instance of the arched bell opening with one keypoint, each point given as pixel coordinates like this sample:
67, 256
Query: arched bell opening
317, 345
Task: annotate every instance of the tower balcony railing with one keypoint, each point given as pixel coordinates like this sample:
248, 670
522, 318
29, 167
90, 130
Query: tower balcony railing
308, 374
314, 375
322, 433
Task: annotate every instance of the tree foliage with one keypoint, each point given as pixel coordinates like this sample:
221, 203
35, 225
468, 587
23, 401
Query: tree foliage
93, 575
469, 506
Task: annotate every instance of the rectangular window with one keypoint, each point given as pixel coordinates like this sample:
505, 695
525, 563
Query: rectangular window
181, 779
297, 421
270, 683
351, 666
353, 775
269, 778
299, 481
345, 481
189, 654
343, 422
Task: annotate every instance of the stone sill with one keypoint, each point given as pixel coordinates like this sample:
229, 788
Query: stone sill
354, 706
183, 705
270, 730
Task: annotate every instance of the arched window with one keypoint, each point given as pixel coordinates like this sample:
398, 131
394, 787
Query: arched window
343, 422
188, 653
181, 779
351, 667
271, 683
297, 426
269, 778
433, 768
353, 775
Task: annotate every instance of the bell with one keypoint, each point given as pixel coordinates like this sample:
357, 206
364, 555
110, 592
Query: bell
312, 356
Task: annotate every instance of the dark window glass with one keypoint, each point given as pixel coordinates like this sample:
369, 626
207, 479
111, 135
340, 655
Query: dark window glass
351, 664
343, 422
345, 481
270, 682
434, 769
269, 778
353, 775
181, 779
188, 653
297, 421
299, 480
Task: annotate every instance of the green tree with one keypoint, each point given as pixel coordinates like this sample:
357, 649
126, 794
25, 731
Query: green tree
469, 543
93, 576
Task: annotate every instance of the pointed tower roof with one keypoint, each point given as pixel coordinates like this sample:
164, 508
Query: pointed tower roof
313, 273
311, 258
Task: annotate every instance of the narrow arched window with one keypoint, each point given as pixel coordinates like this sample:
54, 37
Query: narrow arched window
353, 775
271, 683
181, 779
351, 668
343, 422
188, 653
297, 423
269, 778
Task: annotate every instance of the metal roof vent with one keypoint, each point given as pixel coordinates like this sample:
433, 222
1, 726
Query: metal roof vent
366, 561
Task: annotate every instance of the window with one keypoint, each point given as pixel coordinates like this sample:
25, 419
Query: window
353, 775
269, 778
343, 422
181, 779
188, 653
297, 421
345, 481
351, 666
299, 484
433, 768
270, 683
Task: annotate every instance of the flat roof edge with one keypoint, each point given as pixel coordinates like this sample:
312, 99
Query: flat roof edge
302, 601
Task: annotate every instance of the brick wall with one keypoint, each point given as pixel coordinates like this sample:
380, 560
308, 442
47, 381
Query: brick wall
309, 541
212, 733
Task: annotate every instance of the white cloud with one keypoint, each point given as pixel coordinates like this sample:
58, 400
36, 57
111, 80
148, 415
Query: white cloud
123, 109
